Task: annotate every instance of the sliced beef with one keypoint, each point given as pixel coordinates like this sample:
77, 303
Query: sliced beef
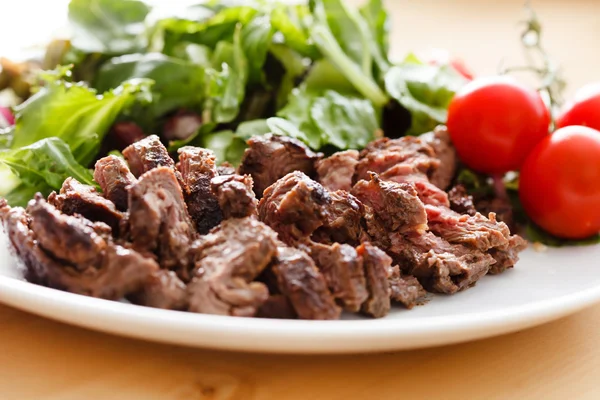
227, 261
113, 176
277, 306
336, 171
396, 205
271, 157
77, 198
147, 154
405, 289
344, 220
475, 231
301, 282
108, 271
441, 143
461, 201
163, 289
382, 154
158, 218
225, 169
197, 167
235, 196
295, 206
427, 191
439, 266
508, 257
376, 269
343, 270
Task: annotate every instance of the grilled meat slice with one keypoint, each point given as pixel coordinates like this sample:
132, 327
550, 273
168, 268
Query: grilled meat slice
377, 266
344, 220
113, 176
441, 143
301, 282
227, 261
158, 218
235, 196
294, 206
147, 154
163, 289
336, 171
197, 167
77, 198
405, 289
271, 157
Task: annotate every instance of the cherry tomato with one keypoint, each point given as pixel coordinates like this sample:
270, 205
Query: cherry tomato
495, 122
584, 109
559, 184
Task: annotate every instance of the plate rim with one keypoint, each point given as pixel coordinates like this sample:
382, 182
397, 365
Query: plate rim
284, 336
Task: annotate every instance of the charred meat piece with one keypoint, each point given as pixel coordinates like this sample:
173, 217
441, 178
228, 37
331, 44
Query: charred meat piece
396, 205
475, 231
502, 207
440, 141
225, 169
147, 154
66, 237
405, 289
376, 269
439, 266
235, 196
227, 261
277, 306
295, 206
113, 176
343, 270
301, 282
344, 220
384, 153
336, 172
162, 289
158, 218
197, 167
109, 271
461, 201
77, 198
271, 157
507, 258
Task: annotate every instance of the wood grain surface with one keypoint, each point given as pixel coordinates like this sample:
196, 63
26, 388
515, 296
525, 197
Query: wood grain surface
45, 360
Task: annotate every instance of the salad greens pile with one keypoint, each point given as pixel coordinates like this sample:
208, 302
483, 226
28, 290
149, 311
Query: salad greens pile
319, 72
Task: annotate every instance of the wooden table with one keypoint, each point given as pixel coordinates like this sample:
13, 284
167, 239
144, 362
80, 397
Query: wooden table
41, 359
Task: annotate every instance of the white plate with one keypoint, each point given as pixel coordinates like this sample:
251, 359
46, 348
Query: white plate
543, 287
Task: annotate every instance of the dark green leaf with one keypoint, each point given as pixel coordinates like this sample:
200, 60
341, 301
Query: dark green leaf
425, 91
377, 18
295, 119
287, 20
247, 129
284, 127
47, 162
108, 26
294, 67
226, 146
255, 40
537, 234
194, 53
178, 83
324, 75
75, 114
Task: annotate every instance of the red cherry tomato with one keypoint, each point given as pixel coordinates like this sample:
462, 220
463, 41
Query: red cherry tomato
584, 109
495, 122
559, 185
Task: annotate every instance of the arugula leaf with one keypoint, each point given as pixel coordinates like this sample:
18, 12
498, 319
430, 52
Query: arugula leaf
255, 39
47, 161
327, 118
288, 21
75, 114
361, 78
345, 122
256, 127
324, 75
294, 66
536, 234
225, 88
378, 21
178, 83
226, 146
425, 91
108, 26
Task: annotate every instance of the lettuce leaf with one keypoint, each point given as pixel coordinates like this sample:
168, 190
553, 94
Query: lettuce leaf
111, 27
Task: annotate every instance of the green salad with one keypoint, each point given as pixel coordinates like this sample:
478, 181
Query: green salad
318, 72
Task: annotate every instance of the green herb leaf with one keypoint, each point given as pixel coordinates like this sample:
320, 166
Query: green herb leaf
537, 234
178, 83
425, 91
255, 39
378, 20
75, 114
288, 21
108, 26
45, 163
226, 146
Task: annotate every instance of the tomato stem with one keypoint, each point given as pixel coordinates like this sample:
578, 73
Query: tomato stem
499, 187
